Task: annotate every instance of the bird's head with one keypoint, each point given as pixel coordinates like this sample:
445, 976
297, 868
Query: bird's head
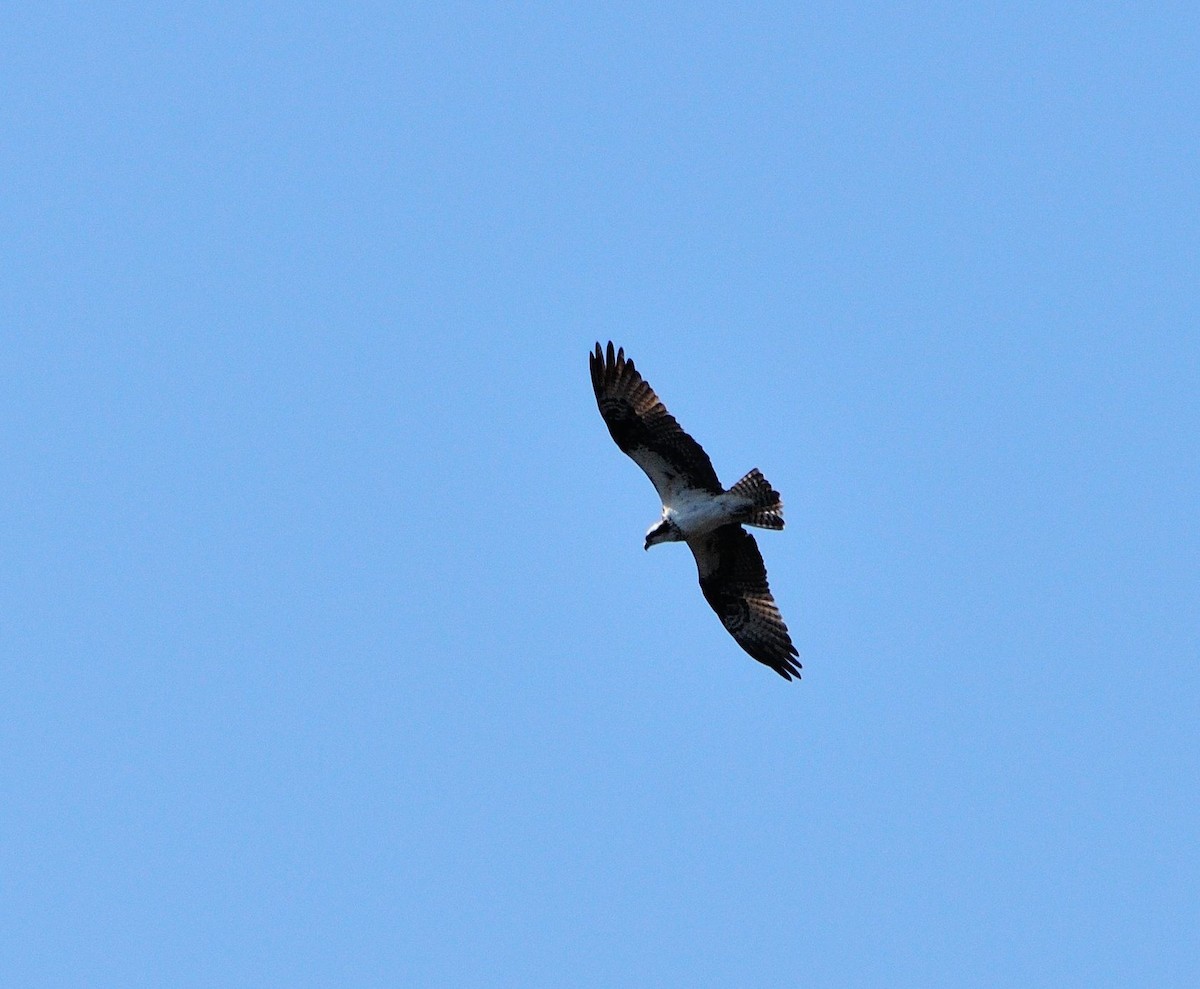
662, 532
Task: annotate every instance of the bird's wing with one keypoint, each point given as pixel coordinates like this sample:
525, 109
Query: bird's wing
734, 581
645, 430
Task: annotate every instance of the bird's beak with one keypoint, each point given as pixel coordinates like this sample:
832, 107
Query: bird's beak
647, 546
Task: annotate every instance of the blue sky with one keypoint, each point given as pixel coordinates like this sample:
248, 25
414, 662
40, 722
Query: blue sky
331, 655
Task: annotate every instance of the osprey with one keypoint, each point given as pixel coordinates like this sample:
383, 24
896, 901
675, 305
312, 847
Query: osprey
698, 511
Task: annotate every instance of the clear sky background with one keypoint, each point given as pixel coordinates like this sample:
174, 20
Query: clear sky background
330, 652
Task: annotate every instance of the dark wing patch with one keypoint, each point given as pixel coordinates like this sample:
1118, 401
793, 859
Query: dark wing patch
734, 581
645, 430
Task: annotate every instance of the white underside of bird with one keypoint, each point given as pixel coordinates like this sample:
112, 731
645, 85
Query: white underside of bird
696, 513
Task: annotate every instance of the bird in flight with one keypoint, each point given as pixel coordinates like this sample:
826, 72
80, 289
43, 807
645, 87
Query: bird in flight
697, 510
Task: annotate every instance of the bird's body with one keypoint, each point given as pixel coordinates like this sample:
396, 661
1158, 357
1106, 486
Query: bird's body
691, 513
699, 511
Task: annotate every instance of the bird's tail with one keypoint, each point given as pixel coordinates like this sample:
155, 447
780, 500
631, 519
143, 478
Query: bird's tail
766, 507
